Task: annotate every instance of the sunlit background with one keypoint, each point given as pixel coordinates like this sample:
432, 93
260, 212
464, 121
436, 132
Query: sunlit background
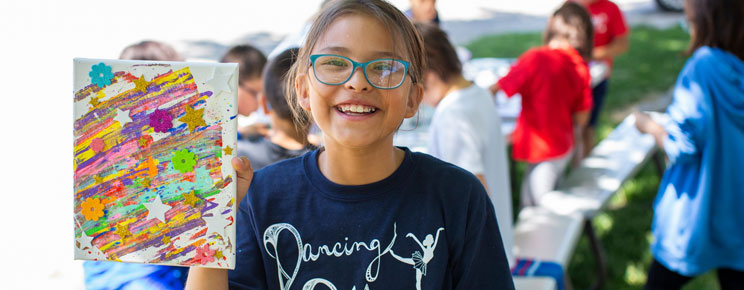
39, 39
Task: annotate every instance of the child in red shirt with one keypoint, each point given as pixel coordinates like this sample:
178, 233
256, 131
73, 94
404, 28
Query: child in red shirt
555, 85
610, 41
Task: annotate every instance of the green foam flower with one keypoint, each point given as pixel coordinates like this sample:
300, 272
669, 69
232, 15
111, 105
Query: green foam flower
183, 161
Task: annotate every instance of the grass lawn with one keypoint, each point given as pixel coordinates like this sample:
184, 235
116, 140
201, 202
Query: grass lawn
650, 67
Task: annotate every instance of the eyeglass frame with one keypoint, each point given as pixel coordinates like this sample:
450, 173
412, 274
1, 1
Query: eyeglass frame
355, 65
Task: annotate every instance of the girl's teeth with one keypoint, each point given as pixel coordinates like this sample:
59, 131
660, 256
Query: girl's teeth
356, 109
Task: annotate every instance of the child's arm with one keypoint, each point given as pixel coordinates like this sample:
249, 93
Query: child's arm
208, 278
616, 47
581, 119
518, 76
495, 88
646, 125
618, 29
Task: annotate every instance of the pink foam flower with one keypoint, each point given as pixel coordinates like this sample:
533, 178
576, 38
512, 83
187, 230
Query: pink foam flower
204, 254
97, 145
161, 121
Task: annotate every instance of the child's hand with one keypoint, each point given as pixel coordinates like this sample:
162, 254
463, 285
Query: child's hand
644, 123
494, 88
244, 173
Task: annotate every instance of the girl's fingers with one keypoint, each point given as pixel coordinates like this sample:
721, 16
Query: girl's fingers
244, 173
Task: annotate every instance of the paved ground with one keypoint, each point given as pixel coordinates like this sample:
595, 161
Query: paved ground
40, 38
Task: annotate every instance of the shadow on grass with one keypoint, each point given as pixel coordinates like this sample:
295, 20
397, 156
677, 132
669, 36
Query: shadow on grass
623, 230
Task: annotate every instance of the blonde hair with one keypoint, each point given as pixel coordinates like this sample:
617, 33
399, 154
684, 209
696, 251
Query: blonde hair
395, 22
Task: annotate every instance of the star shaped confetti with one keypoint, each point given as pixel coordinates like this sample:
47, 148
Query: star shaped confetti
193, 118
218, 255
145, 182
156, 209
219, 82
228, 150
216, 223
190, 199
85, 241
141, 84
98, 179
94, 100
166, 240
122, 231
122, 117
144, 140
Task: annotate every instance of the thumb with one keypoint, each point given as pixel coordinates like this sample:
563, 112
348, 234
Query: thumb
244, 174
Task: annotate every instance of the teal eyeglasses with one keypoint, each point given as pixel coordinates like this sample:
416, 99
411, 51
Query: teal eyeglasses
384, 73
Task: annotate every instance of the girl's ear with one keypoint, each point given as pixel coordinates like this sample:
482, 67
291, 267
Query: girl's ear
414, 100
301, 88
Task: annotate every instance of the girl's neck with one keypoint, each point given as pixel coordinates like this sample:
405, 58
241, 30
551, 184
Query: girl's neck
559, 44
458, 83
358, 166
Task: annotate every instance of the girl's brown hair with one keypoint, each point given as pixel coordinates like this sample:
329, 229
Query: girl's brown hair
400, 28
717, 23
572, 23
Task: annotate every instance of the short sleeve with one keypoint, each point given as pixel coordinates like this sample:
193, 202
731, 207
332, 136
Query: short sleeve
457, 141
617, 25
249, 269
686, 119
514, 81
481, 262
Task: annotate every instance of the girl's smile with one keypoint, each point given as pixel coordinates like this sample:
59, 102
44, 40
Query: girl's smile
356, 114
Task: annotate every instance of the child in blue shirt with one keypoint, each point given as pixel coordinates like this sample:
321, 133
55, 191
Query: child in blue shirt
360, 213
698, 215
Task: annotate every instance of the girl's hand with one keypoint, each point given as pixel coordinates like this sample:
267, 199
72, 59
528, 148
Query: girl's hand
244, 173
644, 123
647, 125
494, 88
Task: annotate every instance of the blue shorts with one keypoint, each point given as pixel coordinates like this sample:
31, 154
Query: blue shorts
598, 95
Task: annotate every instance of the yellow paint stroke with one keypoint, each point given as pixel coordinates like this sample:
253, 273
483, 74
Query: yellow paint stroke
83, 148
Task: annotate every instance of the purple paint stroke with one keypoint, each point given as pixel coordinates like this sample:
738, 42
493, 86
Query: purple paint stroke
208, 206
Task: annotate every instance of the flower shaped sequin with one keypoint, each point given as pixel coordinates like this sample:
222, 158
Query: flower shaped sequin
92, 209
100, 75
183, 161
97, 145
204, 254
161, 121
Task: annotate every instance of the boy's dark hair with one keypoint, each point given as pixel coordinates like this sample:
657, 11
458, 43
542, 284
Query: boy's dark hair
572, 23
150, 50
250, 61
275, 84
441, 57
717, 23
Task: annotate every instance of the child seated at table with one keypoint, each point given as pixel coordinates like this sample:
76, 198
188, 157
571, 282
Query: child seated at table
466, 127
284, 139
251, 63
555, 86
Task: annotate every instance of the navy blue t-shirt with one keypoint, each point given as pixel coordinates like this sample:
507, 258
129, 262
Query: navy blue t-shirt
429, 225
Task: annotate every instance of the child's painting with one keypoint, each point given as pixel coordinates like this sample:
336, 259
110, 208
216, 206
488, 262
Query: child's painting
152, 149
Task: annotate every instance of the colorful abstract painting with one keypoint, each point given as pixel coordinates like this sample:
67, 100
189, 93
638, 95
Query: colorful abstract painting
152, 149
